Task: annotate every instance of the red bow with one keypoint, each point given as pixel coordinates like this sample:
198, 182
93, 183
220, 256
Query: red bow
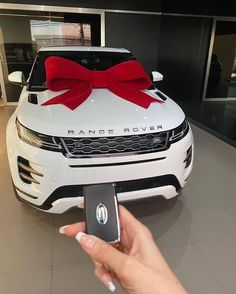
126, 80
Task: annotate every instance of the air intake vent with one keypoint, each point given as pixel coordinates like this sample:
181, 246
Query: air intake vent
161, 96
26, 171
33, 98
188, 158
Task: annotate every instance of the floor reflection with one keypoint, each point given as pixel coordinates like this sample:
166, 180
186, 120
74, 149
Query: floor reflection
217, 116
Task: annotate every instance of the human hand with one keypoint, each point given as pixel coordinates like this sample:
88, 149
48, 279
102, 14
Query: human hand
136, 263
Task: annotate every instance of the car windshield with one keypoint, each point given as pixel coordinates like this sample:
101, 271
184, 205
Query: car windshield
93, 60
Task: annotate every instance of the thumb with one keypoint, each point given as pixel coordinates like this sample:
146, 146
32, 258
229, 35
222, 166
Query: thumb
101, 251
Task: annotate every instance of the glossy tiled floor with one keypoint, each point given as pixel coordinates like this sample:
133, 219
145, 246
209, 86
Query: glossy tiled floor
196, 233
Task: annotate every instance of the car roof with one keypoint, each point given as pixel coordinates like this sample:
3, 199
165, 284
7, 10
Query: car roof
83, 48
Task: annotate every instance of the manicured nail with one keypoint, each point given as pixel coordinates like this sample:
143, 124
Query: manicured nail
107, 280
98, 264
111, 286
79, 236
85, 240
62, 229
81, 205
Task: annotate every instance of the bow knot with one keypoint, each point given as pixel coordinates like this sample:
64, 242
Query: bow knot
126, 80
100, 79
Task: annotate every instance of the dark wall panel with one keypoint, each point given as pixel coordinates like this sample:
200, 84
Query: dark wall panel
201, 7
138, 33
183, 51
183, 6
148, 5
227, 7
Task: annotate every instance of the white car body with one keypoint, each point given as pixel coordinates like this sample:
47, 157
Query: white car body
58, 177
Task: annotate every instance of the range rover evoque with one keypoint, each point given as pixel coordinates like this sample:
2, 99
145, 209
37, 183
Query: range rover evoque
53, 151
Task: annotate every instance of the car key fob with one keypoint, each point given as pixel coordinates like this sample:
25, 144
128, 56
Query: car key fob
101, 212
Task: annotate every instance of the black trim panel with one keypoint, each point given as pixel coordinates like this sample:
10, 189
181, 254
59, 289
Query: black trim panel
117, 163
121, 187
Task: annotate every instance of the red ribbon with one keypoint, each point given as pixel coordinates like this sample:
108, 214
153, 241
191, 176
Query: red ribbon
126, 80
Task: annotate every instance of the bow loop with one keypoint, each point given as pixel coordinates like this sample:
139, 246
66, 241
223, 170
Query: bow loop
126, 80
132, 72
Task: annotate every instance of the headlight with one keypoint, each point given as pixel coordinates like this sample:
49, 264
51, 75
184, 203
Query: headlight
36, 139
179, 132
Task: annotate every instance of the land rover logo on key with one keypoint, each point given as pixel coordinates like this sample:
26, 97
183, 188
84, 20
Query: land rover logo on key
101, 214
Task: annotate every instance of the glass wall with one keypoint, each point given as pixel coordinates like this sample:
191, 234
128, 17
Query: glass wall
23, 33
217, 111
222, 75
56, 33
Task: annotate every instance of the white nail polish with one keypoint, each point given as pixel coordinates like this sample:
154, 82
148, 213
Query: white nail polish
107, 280
111, 286
81, 205
79, 236
98, 264
62, 229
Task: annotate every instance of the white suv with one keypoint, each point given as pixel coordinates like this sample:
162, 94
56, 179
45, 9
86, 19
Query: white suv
54, 151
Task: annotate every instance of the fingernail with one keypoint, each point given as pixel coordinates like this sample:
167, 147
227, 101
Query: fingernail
98, 264
85, 240
62, 229
111, 286
108, 282
79, 236
80, 204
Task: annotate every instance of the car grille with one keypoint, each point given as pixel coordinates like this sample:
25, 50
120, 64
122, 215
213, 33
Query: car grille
105, 146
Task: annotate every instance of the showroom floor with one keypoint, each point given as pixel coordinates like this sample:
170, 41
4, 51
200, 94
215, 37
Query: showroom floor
196, 233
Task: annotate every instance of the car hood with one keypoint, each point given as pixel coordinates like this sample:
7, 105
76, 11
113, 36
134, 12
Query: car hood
102, 114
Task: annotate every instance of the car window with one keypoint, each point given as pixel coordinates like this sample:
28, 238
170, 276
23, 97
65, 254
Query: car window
92, 60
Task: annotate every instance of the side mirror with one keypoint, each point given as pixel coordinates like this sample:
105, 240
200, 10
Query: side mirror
17, 77
156, 76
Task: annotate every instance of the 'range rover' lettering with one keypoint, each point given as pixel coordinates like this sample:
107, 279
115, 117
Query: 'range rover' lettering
113, 131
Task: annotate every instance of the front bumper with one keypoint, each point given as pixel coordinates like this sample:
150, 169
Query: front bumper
61, 186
